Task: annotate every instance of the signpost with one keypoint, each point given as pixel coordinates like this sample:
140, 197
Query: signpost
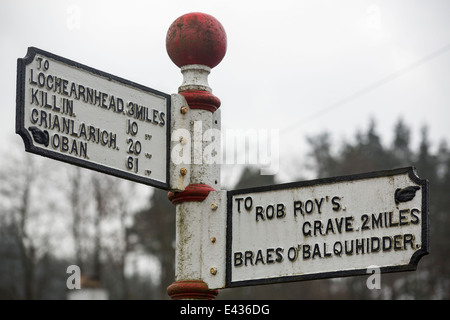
73, 113
297, 231
327, 228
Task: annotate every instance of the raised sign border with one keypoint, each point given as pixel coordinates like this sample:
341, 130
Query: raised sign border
29, 146
424, 250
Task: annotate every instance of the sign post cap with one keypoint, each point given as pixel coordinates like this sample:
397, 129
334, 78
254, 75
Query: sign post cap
196, 38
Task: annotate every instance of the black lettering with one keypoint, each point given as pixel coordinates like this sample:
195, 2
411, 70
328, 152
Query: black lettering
248, 256
74, 148
104, 140
359, 246
270, 212
70, 124
339, 223
337, 248
130, 111
43, 119
269, 253
112, 103
306, 251
408, 238
415, 215
330, 226
112, 140
83, 150
34, 96
387, 243
162, 120
120, 105
317, 227
58, 82
365, 222
55, 141
64, 144
316, 251
348, 224
280, 210
32, 81
298, 207
238, 259
55, 107
348, 248
377, 221
248, 203
50, 86
375, 244
81, 90
403, 220
336, 205
397, 242
239, 204
392, 224
292, 254
140, 112
311, 206
73, 90
279, 253
89, 95
325, 253
155, 116
55, 123
259, 213
92, 134
41, 79
259, 257
306, 233
98, 97
319, 204
104, 97
46, 104
82, 130
34, 116
64, 86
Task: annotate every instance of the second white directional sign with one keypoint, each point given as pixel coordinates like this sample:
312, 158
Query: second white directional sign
77, 114
327, 228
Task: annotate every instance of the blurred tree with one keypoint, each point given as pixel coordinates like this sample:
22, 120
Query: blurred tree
27, 221
368, 154
155, 229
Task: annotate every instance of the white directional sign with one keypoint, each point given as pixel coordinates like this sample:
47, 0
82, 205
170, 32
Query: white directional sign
327, 228
83, 116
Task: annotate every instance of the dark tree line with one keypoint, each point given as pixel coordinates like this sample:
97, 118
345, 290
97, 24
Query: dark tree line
92, 214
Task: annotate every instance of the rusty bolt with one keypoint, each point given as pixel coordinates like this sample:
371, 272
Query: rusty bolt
213, 271
184, 109
214, 206
213, 239
183, 171
183, 140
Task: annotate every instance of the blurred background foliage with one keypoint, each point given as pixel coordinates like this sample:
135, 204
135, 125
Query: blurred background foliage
54, 215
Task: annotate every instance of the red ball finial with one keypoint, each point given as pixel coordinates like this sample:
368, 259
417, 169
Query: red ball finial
196, 38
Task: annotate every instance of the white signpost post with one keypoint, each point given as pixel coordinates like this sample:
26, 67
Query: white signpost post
327, 228
73, 113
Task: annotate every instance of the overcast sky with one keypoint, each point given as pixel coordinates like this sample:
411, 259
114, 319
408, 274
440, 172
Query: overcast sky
309, 65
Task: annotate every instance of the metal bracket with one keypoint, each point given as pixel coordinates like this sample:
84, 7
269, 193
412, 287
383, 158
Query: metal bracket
180, 145
213, 266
